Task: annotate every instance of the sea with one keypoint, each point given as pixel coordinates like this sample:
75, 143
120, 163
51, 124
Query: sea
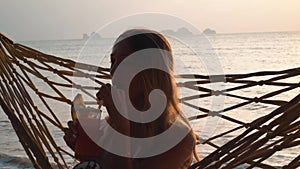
232, 53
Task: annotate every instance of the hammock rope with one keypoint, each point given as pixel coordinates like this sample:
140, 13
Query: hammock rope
32, 83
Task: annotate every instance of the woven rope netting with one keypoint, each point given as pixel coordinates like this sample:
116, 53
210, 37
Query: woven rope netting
260, 126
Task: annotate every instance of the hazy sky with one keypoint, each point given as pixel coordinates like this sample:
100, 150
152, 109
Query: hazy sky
65, 19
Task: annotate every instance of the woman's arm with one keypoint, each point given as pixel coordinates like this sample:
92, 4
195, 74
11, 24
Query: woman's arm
115, 119
71, 133
179, 157
119, 123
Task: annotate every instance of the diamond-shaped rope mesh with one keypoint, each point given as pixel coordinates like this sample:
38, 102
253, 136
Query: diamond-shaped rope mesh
260, 116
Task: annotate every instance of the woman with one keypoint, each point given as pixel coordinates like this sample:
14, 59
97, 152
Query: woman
157, 52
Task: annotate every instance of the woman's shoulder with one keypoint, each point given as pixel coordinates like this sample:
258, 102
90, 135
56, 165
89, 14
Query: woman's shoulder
178, 157
182, 125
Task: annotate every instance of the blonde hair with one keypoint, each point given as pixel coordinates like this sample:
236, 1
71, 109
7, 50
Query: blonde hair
139, 39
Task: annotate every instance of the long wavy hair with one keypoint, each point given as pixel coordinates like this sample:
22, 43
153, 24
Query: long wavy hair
150, 79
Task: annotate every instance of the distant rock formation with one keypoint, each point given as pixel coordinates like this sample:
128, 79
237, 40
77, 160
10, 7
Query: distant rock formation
85, 36
168, 32
209, 32
180, 32
184, 31
93, 35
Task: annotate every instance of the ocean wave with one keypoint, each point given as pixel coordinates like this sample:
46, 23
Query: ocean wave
14, 162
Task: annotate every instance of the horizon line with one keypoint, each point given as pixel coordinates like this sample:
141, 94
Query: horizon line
218, 33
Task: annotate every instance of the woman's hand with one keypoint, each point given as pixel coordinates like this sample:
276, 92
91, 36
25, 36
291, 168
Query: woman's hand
71, 134
115, 119
104, 95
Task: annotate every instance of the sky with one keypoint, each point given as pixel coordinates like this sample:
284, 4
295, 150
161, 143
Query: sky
69, 19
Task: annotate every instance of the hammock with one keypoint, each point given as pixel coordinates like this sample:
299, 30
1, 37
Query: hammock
32, 82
